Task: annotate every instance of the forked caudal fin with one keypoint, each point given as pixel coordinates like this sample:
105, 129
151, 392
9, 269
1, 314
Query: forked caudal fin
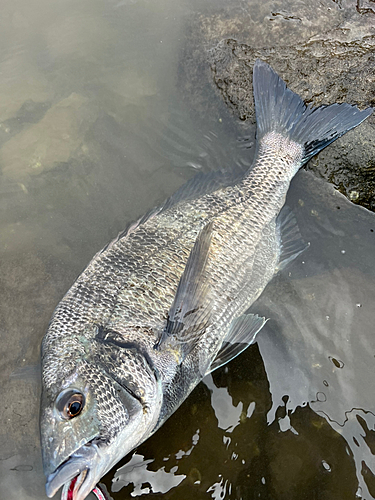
280, 110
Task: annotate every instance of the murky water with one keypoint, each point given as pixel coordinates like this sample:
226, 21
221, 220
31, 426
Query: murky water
94, 130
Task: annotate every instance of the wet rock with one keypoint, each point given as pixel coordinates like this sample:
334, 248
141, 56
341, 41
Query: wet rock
350, 165
325, 53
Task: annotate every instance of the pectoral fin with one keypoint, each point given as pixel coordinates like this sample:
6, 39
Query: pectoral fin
242, 333
190, 313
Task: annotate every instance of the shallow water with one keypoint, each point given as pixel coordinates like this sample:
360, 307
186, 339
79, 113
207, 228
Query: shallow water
94, 130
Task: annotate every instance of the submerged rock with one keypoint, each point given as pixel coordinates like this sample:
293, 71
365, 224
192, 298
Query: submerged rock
49, 142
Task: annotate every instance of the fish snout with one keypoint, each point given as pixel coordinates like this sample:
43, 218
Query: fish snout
78, 475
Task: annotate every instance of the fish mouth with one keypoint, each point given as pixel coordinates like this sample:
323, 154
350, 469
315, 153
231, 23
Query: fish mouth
70, 488
78, 474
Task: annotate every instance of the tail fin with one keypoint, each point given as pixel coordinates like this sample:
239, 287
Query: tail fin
278, 109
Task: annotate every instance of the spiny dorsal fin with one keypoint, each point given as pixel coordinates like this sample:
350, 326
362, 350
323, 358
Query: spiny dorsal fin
190, 313
199, 185
242, 333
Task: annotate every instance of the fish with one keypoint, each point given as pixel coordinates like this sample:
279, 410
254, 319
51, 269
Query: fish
164, 304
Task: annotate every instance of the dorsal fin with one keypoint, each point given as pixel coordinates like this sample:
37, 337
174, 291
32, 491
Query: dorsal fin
204, 183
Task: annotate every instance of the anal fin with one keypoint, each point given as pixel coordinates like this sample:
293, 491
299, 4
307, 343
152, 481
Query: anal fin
291, 241
242, 333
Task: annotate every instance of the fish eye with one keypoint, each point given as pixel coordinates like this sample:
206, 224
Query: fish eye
74, 406
70, 403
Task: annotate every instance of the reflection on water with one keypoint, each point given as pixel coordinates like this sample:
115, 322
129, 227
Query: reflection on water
94, 132
319, 347
228, 416
136, 472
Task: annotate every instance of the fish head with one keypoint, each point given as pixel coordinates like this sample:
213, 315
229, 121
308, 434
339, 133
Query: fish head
94, 411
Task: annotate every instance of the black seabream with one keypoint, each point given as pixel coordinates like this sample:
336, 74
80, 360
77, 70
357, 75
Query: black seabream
164, 304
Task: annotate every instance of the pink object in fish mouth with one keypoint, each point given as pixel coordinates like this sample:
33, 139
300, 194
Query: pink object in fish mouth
68, 491
99, 493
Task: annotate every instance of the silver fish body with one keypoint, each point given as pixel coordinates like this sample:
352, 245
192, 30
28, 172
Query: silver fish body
164, 303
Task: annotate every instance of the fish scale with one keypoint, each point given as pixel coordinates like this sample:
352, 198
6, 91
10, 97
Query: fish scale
165, 302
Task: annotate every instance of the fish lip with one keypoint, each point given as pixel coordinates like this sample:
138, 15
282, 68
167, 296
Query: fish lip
77, 465
56, 480
79, 481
